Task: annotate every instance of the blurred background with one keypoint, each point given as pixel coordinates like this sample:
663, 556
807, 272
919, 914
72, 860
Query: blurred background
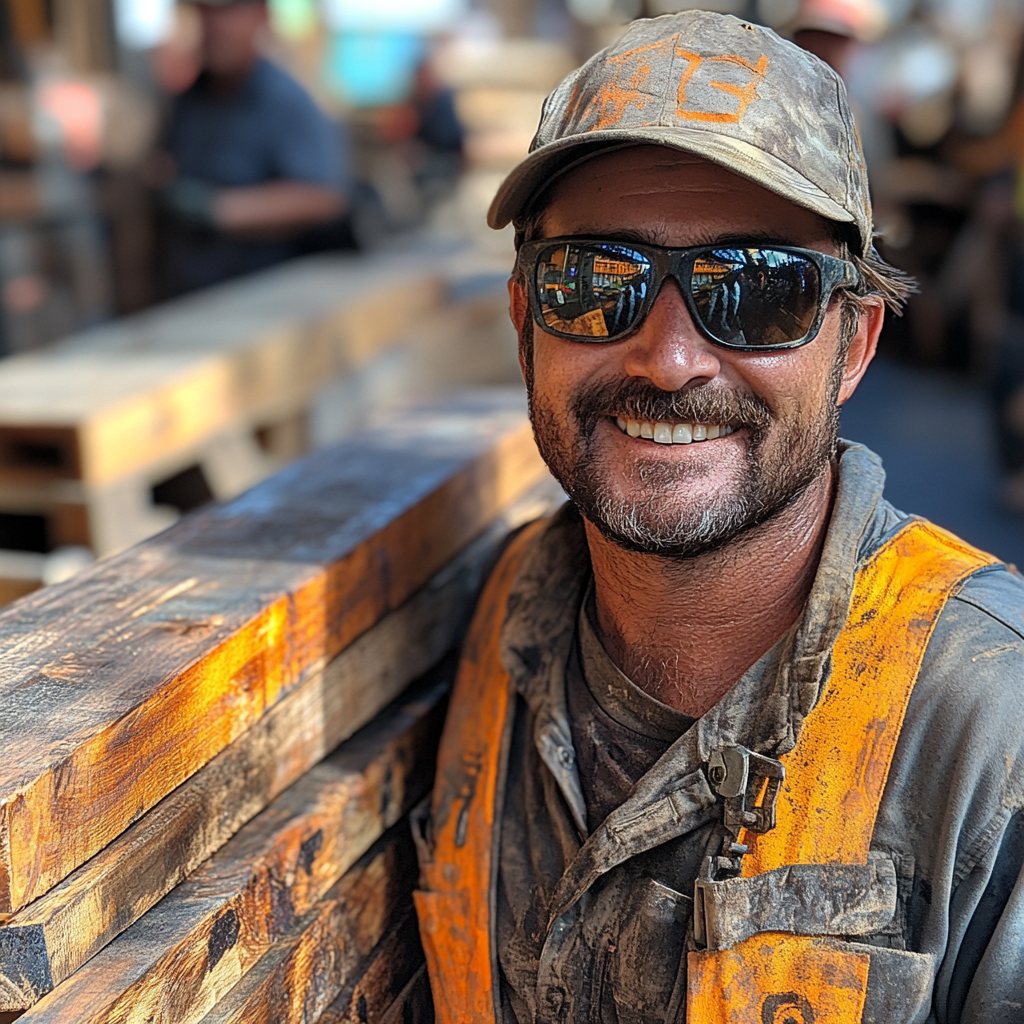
234, 231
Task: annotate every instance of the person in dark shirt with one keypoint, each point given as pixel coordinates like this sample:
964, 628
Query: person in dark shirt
256, 162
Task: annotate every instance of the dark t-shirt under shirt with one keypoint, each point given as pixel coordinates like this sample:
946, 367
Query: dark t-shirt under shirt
618, 730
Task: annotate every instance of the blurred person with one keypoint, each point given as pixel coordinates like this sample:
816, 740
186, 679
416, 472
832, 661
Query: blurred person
998, 161
439, 133
829, 30
256, 163
833, 30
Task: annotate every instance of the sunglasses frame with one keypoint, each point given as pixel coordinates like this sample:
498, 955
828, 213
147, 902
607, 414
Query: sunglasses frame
836, 274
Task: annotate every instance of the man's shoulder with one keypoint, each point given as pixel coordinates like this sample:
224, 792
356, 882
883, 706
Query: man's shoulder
278, 89
996, 597
973, 668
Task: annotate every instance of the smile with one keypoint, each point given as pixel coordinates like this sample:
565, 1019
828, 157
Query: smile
673, 433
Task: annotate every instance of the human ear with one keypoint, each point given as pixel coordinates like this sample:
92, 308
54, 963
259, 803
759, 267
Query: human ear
517, 308
863, 346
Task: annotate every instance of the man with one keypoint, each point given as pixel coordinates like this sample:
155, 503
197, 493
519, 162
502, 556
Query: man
256, 161
732, 739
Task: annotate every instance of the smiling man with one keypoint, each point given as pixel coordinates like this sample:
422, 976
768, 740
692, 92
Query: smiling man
733, 740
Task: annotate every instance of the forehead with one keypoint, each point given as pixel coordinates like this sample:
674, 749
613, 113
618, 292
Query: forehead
668, 197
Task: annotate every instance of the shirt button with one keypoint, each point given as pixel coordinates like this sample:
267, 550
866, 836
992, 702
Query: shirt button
566, 757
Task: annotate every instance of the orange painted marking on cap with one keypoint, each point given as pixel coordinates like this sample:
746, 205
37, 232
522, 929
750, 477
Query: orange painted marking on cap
626, 86
745, 94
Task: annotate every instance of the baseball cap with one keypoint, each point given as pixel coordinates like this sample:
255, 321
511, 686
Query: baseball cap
715, 86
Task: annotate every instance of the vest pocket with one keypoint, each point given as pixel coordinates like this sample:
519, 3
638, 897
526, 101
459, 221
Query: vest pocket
899, 985
801, 899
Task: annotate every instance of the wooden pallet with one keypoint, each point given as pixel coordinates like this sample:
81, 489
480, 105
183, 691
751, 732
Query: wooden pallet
147, 388
174, 845
108, 437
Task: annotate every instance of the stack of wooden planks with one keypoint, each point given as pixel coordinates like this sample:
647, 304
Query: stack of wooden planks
108, 436
182, 838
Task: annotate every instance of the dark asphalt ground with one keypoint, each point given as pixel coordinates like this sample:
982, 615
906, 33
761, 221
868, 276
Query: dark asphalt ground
934, 434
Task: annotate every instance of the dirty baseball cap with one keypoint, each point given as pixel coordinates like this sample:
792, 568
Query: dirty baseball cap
720, 88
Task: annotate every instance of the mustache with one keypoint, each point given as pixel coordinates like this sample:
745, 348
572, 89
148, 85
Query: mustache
636, 398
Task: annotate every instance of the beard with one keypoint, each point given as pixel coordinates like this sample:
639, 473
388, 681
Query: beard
655, 515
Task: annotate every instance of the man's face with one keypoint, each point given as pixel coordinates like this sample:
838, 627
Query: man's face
680, 499
230, 36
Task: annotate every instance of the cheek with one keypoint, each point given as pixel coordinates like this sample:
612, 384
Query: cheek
795, 384
561, 368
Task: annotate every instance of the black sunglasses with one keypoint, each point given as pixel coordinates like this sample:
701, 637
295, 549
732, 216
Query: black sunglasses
747, 297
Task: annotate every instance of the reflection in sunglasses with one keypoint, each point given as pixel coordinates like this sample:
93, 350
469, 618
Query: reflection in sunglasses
743, 296
590, 325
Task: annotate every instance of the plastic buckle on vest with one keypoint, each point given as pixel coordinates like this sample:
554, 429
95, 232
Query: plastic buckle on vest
749, 784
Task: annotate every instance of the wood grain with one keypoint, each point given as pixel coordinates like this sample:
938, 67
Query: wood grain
45, 942
119, 685
177, 961
415, 1005
298, 977
380, 980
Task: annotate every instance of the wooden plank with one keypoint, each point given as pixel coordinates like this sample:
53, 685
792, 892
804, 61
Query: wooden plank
98, 417
415, 1005
118, 685
380, 981
204, 935
297, 978
45, 942
112, 399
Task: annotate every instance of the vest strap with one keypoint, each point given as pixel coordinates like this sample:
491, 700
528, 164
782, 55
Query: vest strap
835, 777
455, 908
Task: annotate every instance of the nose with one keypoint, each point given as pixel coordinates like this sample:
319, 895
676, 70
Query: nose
668, 349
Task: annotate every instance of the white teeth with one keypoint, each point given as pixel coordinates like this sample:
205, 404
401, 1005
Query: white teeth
679, 433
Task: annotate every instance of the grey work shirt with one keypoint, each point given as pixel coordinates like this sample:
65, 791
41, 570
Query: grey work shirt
594, 896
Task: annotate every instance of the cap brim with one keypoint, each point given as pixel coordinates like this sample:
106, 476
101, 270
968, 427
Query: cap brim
538, 169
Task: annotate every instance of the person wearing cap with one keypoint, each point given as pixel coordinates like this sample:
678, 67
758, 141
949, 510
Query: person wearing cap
256, 162
732, 739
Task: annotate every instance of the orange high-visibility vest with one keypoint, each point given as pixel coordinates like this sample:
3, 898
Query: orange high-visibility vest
825, 813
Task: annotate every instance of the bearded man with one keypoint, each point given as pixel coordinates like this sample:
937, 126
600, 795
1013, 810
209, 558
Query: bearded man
732, 740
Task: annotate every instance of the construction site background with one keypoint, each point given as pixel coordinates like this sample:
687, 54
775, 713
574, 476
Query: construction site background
86, 87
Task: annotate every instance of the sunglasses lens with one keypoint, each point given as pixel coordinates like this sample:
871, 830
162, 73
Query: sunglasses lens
755, 297
591, 291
